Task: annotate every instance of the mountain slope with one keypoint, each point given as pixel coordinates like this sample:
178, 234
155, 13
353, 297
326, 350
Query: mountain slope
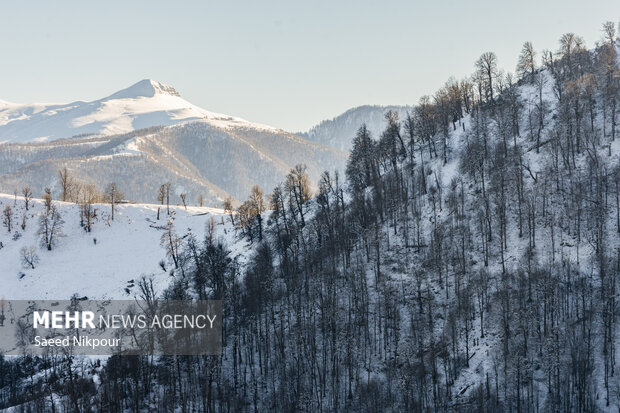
144, 104
146, 135
339, 131
198, 158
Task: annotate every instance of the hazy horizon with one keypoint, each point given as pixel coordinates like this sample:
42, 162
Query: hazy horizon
281, 64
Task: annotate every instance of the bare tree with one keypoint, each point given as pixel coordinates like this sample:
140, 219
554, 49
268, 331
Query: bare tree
76, 191
161, 194
113, 195
297, 185
611, 75
570, 45
50, 227
228, 207
201, 200
184, 200
487, 67
249, 218
7, 218
90, 195
47, 199
29, 256
526, 65
257, 201
172, 243
167, 186
65, 184
27, 193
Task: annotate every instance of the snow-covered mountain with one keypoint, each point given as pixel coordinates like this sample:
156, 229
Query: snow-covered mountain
144, 136
339, 131
144, 104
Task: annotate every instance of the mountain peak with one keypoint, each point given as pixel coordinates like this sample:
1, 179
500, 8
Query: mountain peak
144, 88
142, 105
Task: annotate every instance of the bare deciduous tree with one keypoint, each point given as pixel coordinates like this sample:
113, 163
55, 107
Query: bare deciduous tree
7, 218
526, 65
297, 185
90, 195
113, 195
65, 184
29, 256
27, 194
47, 199
166, 188
171, 243
228, 207
50, 227
487, 67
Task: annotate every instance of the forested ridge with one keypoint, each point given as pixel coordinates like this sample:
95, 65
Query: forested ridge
466, 262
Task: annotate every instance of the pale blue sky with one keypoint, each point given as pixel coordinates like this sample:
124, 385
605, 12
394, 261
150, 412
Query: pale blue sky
286, 63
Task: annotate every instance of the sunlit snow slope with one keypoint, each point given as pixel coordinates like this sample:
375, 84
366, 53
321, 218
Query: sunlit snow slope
147, 103
125, 249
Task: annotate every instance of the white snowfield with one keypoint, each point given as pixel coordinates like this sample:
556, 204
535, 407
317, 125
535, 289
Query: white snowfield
125, 249
147, 103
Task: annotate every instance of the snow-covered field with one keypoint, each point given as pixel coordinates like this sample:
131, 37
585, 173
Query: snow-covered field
125, 249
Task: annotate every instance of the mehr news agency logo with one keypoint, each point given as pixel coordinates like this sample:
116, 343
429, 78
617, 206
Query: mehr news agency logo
99, 327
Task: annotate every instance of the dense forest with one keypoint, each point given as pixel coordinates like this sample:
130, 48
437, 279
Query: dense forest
466, 262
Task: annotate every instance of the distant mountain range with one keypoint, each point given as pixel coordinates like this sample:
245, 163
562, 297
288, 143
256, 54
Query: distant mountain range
147, 134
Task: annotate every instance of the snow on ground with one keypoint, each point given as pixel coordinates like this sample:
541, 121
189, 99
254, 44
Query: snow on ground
125, 249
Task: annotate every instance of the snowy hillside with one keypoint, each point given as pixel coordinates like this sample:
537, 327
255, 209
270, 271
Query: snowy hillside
144, 136
144, 104
339, 131
467, 260
199, 159
104, 263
